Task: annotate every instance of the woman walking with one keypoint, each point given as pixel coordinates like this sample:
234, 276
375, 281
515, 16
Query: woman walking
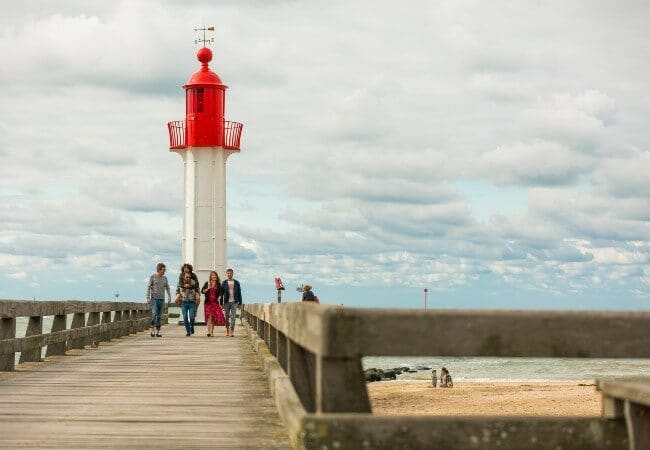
212, 303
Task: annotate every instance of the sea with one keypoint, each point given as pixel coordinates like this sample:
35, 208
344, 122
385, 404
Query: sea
481, 369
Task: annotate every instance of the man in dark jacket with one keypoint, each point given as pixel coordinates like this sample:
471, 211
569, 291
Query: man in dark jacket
231, 301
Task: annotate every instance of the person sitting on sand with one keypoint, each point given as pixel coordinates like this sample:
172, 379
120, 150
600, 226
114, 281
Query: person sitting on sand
434, 378
445, 378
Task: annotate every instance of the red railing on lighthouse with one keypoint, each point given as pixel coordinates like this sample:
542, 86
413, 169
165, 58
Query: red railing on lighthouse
178, 129
231, 134
176, 135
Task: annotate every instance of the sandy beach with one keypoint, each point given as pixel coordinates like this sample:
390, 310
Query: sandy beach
553, 398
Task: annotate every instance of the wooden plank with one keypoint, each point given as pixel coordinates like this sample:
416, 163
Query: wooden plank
355, 431
637, 419
139, 392
7, 331
34, 328
353, 332
28, 308
635, 389
41, 340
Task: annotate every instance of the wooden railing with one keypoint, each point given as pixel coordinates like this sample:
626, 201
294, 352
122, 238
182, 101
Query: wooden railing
312, 357
105, 321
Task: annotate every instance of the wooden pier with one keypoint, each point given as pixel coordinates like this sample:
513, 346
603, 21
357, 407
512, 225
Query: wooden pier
292, 377
136, 391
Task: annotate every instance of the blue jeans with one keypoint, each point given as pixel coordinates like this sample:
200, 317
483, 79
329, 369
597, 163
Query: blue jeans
188, 311
231, 315
157, 307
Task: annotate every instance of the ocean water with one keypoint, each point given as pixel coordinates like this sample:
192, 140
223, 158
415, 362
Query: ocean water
481, 369
513, 369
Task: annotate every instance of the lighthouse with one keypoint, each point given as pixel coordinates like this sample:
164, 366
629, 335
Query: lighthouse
204, 140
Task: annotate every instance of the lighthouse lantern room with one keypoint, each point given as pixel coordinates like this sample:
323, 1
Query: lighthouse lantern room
204, 140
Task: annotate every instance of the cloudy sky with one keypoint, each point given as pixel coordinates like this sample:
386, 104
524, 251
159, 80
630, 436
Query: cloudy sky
495, 153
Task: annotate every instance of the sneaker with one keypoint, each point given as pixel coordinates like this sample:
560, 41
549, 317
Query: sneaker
153, 334
209, 335
158, 335
232, 334
188, 335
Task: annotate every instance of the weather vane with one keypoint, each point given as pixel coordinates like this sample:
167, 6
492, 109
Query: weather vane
204, 41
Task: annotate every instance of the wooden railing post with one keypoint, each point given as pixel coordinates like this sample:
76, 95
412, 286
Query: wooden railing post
78, 321
637, 419
126, 323
34, 328
301, 370
273, 340
282, 351
94, 338
7, 331
340, 386
117, 332
59, 324
106, 320
133, 325
144, 314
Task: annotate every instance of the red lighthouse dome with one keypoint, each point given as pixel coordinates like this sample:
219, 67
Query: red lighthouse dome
204, 125
204, 76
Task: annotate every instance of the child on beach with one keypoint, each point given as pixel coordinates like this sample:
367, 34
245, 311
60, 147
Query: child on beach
434, 378
445, 379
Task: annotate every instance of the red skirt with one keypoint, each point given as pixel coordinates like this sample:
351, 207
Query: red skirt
215, 311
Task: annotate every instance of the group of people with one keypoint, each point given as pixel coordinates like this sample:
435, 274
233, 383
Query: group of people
445, 378
221, 299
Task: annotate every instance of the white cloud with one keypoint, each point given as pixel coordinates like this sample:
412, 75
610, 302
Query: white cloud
20, 275
355, 137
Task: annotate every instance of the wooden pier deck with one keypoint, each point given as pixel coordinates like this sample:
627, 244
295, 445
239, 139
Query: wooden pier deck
143, 392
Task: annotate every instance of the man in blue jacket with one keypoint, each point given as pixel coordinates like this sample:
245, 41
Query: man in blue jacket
231, 301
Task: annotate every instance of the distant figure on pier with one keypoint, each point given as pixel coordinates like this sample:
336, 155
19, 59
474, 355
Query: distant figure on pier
434, 378
156, 288
212, 303
231, 301
187, 294
308, 295
445, 379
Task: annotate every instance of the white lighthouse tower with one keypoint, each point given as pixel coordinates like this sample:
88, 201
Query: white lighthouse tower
204, 140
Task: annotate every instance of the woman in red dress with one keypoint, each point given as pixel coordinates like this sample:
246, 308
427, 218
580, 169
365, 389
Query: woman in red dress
213, 310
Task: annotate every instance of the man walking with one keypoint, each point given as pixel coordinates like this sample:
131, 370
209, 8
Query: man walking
231, 301
156, 298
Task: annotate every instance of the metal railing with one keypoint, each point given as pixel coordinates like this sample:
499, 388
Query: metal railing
231, 134
178, 134
312, 357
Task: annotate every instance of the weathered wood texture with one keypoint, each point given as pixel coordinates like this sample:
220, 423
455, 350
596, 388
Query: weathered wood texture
26, 308
629, 398
82, 332
320, 348
356, 431
353, 332
142, 392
